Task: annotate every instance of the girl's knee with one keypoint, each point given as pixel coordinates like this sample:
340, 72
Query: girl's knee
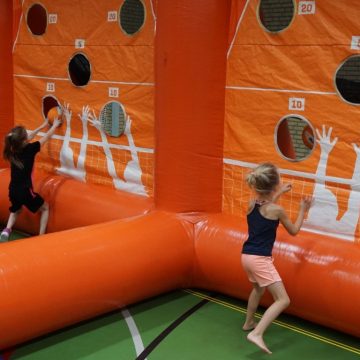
285, 301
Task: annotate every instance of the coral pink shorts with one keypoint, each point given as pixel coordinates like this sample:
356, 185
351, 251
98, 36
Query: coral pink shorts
260, 269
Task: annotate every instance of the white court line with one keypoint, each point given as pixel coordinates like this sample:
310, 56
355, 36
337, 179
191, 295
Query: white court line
237, 28
92, 81
136, 337
100, 144
291, 172
280, 90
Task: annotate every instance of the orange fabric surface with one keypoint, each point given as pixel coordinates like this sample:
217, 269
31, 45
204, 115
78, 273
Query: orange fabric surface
52, 281
237, 7
120, 61
264, 71
190, 78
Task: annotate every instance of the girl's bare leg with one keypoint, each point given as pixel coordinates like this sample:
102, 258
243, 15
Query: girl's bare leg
253, 303
44, 217
12, 219
281, 302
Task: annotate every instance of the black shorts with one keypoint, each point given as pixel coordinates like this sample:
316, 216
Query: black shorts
26, 197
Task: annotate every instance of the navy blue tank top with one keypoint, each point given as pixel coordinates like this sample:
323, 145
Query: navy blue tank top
262, 233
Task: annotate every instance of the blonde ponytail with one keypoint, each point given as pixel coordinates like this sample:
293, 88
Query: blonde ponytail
264, 178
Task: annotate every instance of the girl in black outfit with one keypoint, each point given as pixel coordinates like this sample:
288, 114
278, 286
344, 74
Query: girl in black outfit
20, 152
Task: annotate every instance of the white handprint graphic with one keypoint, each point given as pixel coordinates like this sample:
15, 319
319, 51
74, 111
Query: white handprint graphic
323, 215
132, 173
68, 166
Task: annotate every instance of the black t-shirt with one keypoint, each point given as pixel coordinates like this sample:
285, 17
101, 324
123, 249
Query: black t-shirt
21, 177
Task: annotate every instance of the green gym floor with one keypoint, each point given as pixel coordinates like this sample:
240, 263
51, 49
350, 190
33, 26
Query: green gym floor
185, 325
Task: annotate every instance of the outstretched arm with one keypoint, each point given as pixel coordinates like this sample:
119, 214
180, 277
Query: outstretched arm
32, 134
294, 228
50, 133
283, 188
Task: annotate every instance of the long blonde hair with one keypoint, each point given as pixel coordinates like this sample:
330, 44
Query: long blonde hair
264, 178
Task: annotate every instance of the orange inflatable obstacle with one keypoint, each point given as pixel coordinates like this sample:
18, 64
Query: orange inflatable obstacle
145, 177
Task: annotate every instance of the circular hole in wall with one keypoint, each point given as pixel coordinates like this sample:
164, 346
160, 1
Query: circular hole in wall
51, 108
112, 118
36, 19
347, 80
276, 15
294, 138
132, 16
79, 70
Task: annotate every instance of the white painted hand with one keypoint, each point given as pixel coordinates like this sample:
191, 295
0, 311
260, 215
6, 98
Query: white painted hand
85, 113
93, 120
127, 130
66, 111
324, 140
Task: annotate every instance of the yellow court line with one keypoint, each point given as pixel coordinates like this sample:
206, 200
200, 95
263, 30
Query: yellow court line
279, 323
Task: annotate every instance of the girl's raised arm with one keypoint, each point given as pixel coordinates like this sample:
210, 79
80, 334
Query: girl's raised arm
283, 188
291, 228
50, 132
32, 134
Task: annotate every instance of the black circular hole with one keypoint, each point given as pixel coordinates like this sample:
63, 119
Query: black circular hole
49, 104
36, 19
276, 15
132, 16
348, 80
295, 138
79, 70
112, 118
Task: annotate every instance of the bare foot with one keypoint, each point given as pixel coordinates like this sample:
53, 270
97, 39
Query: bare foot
258, 341
249, 326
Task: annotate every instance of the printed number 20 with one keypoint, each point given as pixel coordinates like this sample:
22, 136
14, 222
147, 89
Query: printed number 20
306, 8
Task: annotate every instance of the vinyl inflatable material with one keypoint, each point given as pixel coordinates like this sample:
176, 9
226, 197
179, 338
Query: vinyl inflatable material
147, 194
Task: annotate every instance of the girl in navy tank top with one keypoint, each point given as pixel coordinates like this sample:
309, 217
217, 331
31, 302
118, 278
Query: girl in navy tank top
263, 218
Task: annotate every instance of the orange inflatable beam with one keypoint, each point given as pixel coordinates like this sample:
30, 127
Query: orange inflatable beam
320, 275
80, 273
55, 280
73, 203
6, 71
190, 103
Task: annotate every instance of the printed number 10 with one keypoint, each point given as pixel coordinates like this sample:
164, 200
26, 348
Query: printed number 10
297, 104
